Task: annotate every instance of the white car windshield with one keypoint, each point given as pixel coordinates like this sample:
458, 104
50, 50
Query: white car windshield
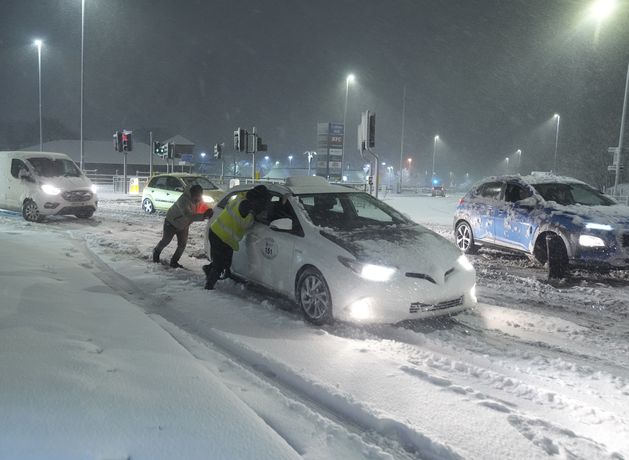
54, 167
572, 193
349, 211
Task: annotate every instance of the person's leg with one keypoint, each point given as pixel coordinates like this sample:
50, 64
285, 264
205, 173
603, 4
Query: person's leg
219, 261
167, 237
182, 241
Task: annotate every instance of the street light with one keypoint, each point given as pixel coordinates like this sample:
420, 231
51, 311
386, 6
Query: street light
507, 160
350, 79
434, 152
310, 157
518, 152
266, 158
38, 44
601, 9
202, 154
558, 118
290, 161
277, 163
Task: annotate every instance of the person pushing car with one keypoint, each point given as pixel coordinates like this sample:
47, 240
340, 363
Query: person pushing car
189, 208
230, 227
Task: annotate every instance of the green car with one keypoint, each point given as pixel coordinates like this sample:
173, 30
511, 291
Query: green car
163, 190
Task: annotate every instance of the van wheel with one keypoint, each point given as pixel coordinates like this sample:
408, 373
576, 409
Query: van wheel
85, 214
30, 212
314, 297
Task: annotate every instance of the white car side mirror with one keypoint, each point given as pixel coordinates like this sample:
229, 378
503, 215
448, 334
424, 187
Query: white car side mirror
282, 225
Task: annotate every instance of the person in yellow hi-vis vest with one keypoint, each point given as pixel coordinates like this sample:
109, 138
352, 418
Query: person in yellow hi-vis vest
230, 227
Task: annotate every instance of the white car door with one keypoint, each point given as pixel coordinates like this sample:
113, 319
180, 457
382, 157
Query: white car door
271, 252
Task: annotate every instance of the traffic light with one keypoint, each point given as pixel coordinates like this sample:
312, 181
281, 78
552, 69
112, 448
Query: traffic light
127, 141
118, 141
260, 147
240, 140
371, 129
218, 151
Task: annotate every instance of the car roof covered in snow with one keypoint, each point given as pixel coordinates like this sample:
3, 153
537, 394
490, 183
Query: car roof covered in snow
534, 178
35, 154
301, 185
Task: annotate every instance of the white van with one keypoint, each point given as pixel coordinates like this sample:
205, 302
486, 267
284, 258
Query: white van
43, 184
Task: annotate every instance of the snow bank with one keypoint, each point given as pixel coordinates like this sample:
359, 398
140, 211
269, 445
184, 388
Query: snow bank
85, 374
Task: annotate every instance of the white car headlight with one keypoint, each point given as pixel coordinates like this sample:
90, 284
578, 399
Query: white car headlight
591, 241
465, 263
595, 226
208, 199
94, 188
370, 272
50, 189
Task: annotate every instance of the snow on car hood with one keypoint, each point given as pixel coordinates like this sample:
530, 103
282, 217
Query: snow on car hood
615, 215
67, 182
410, 248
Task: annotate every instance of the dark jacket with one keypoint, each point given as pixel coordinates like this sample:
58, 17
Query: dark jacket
184, 211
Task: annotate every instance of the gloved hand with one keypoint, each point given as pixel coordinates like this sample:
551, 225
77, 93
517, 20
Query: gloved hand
208, 213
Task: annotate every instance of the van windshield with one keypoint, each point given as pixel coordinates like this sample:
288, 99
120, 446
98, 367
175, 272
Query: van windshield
54, 167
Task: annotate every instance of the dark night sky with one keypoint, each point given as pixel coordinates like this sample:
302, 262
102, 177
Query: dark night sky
486, 75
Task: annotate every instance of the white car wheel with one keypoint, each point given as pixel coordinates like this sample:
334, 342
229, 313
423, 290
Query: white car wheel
465, 238
148, 206
314, 297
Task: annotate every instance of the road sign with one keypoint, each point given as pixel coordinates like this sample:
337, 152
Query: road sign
613, 150
613, 168
186, 158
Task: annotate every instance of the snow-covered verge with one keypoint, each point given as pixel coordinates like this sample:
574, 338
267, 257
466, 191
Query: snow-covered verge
535, 371
86, 374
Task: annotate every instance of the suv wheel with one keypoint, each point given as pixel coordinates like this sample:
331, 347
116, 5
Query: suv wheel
465, 238
314, 297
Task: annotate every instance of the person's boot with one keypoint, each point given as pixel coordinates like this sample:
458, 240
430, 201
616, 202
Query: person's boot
206, 269
174, 264
211, 278
155, 256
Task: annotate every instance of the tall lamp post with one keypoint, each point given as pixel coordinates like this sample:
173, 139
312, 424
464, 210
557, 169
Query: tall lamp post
350, 79
38, 44
558, 118
434, 152
82, 48
507, 160
518, 152
290, 161
310, 157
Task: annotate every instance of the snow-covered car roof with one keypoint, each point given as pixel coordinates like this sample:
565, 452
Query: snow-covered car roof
37, 154
301, 185
534, 178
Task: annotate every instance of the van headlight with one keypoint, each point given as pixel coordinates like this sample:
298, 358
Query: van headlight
591, 241
50, 189
370, 272
94, 188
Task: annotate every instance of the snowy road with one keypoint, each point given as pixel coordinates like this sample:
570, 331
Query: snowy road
534, 371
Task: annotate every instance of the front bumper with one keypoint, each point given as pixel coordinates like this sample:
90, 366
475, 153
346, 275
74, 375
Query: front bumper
403, 298
58, 206
614, 255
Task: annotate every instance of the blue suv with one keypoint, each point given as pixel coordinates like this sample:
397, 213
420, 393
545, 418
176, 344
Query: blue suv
556, 220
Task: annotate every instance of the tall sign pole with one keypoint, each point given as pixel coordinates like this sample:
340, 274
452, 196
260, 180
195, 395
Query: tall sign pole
622, 135
402, 139
151, 153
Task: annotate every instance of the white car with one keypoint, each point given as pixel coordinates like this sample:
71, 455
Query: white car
164, 189
340, 253
43, 184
